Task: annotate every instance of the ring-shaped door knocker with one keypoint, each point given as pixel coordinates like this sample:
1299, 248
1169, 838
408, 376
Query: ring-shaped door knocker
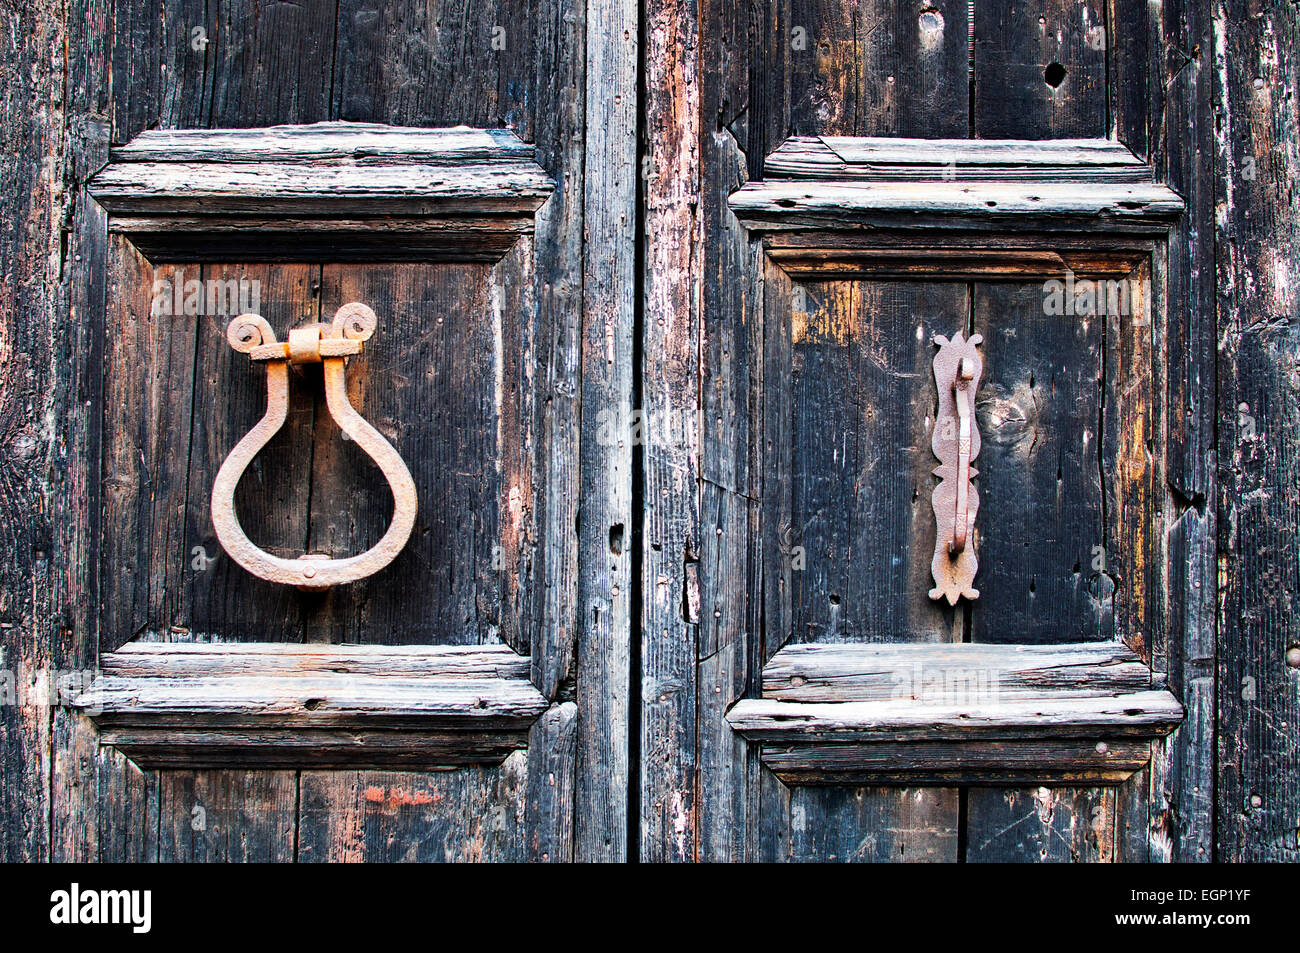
327, 344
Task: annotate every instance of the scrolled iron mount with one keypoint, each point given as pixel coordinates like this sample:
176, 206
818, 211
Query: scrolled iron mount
329, 345
956, 444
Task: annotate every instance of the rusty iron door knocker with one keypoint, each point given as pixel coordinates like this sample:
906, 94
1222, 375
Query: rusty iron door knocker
956, 444
327, 344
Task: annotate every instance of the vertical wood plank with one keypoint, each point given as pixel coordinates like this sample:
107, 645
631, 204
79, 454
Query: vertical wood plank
34, 393
1132, 433
862, 408
71, 594
859, 825
807, 68
1182, 126
136, 59
148, 402
1040, 472
469, 814
222, 600
430, 380
1020, 93
1040, 72
730, 426
605, 529
229, 817
670, 372
522, 810
1257, 244
1042, 825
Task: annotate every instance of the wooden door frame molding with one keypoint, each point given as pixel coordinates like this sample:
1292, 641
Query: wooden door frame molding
332, 191
955, 210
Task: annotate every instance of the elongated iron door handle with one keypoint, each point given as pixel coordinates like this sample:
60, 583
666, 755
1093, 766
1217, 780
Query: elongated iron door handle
961, 397
329, 345
956, 443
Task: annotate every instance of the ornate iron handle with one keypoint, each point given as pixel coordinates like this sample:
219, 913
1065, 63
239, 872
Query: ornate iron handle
956, 443
327, 344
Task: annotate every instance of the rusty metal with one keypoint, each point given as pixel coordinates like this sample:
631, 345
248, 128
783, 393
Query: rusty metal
329, 345
956, 444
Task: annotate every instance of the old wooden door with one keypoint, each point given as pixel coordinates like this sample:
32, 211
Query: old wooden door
467, 171
658, 288
832, 187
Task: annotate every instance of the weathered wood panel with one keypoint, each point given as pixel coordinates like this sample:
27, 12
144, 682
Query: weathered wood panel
72, 74
607, 535
522, 810
1257, 245
229, 394
1043, 825
104, 801
1041, 471
859, 460
197, 705
670, 545
1040, 70
227, 817
864, 825
1018, 92
39, 384
883, 69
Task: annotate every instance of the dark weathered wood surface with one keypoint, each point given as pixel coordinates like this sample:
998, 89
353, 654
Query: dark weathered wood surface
879, 671
884, 159
200, 705
95, 539
1257, 131
326, 192
103, 806
864, 70
1117, 208
956, 713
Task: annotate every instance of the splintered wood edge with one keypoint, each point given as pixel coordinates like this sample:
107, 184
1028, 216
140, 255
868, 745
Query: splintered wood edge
1106, 208
208, 705
357, 141
848, 157
336, 191
956, 714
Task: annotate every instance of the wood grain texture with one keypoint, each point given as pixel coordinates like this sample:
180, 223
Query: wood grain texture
605, 528
1258, 800
1040, 70
327, 191
859, 461
866, 70
956, 714
866, 825
227, 816
730, 448
881, 671
39, 384
1180, 120
168, 705
1015, 45
1046, 825
106, 807
1176, 83
670, 544
1042, 472
876, 158
1119, 208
